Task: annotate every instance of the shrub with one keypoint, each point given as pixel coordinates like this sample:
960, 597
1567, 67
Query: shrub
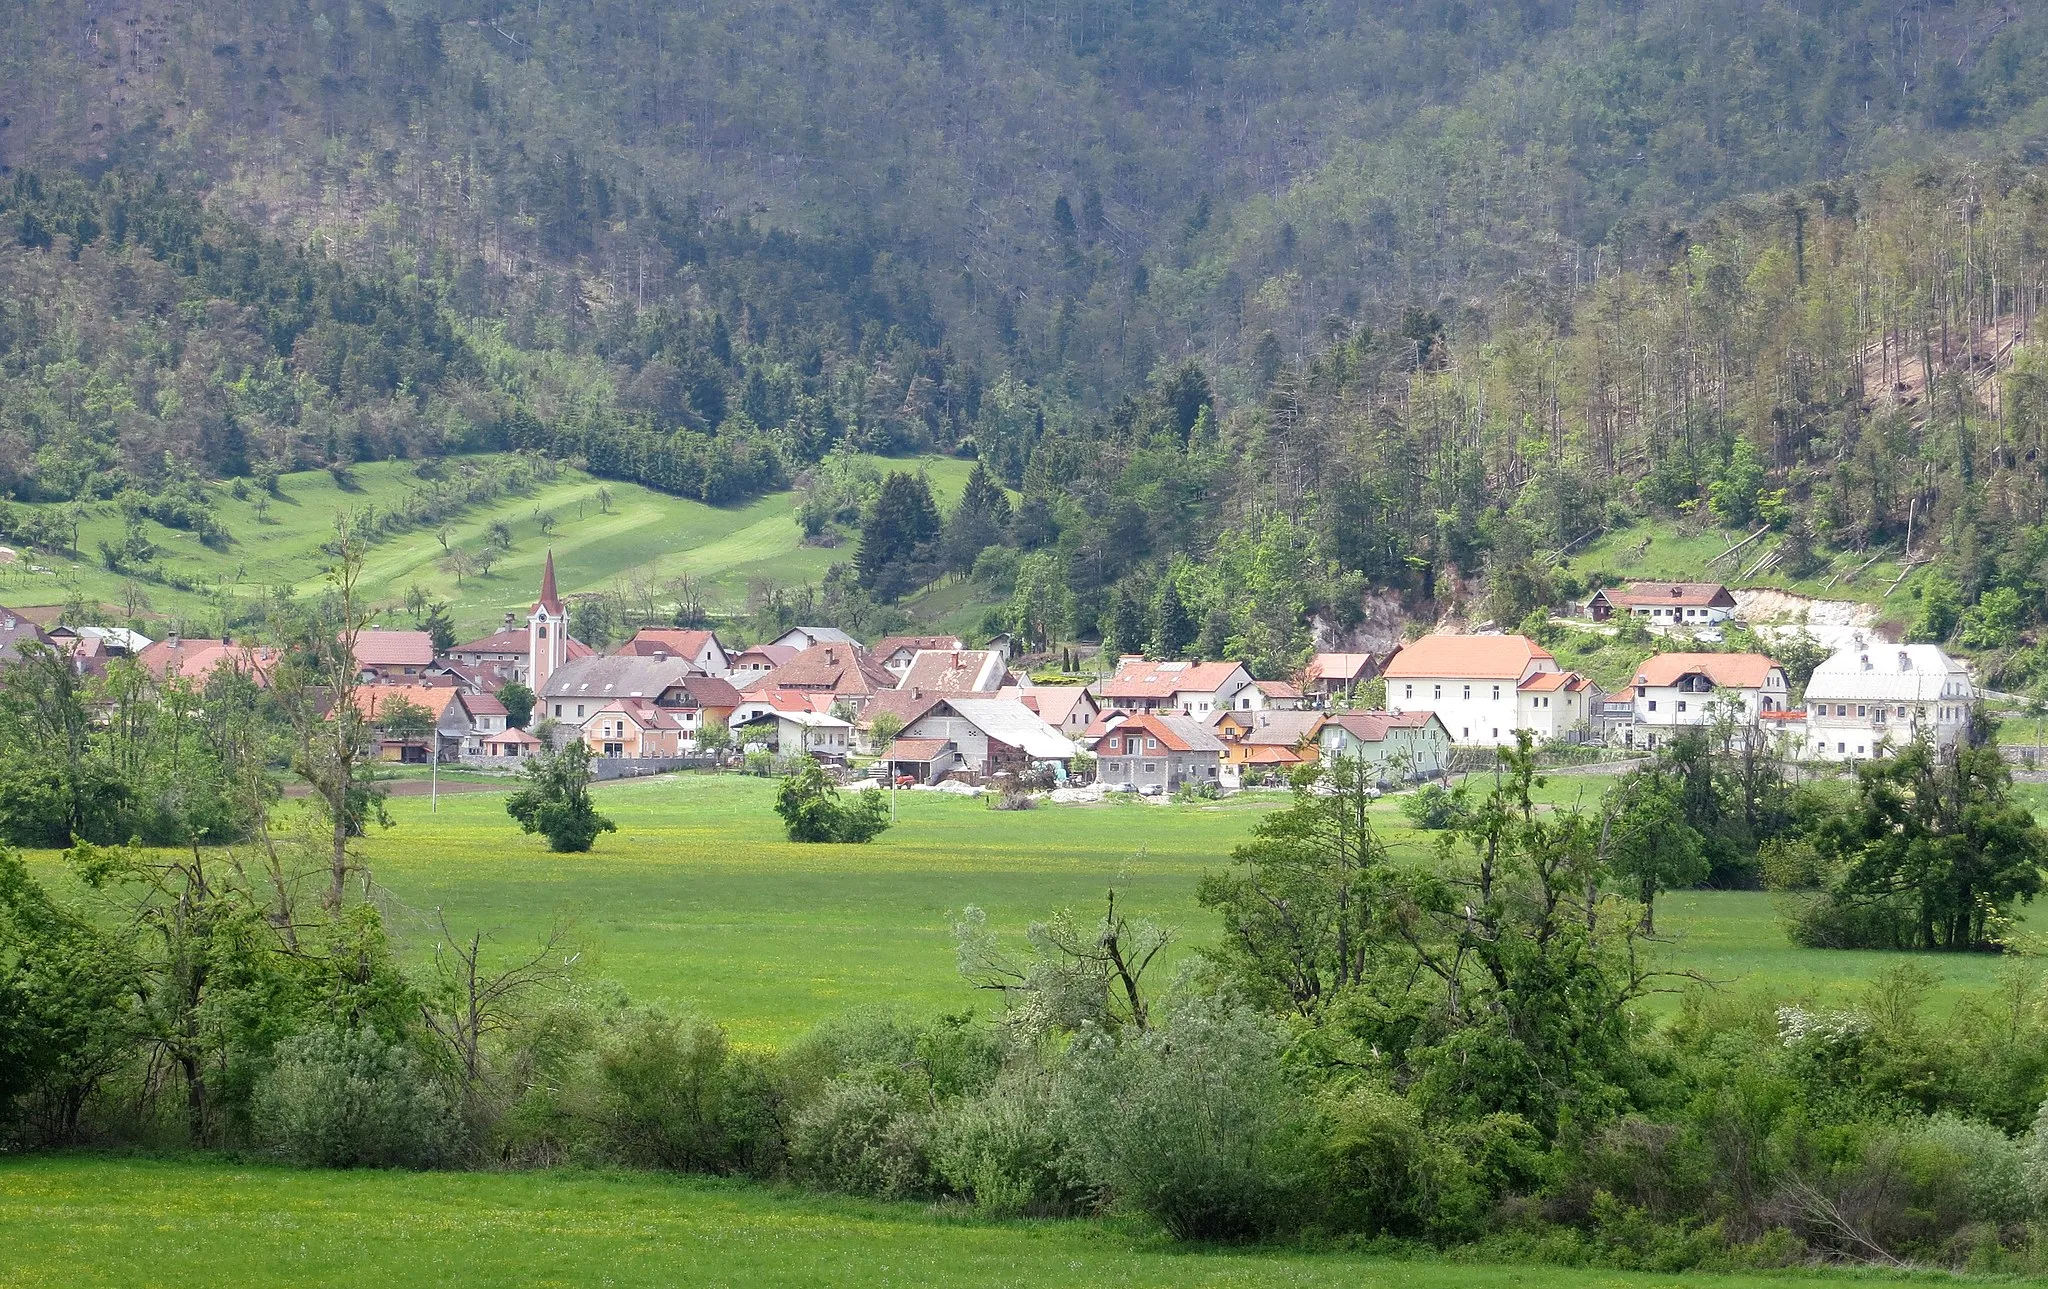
1963, 1171
1013, 801
662, 1093
1380, 1171
863, 1137
1194, 1124
812, 809
1008, 1149
1433, 807
336, 1098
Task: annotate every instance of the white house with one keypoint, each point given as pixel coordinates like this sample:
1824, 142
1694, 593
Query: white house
1671, 604
801, 638
1396, 745
1673, 690
1199, 689
1484, 688
1269, 696
797, 733
1872, 698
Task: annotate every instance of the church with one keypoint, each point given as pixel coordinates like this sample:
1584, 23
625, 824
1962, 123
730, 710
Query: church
528, 653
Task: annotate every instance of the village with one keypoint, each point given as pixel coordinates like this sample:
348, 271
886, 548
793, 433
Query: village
932, 711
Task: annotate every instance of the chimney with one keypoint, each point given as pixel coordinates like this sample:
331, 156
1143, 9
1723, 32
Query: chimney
1866, 662
1905, 661
171, 637
511, 618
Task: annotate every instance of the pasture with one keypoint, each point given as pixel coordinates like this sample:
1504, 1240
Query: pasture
77, 1221
698, 899
643, 536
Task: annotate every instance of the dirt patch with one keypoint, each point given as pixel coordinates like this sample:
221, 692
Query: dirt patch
1833, 623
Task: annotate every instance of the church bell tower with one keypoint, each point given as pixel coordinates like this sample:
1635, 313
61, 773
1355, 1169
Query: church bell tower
547, 631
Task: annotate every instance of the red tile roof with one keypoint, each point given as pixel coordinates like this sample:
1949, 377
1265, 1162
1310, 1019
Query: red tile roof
834, 668
1175, 733
380, 648
1466, 657
650, 641
1683, 594
1728, 670
198, 658
920, 750
1347, 667
1145, 678
890, 644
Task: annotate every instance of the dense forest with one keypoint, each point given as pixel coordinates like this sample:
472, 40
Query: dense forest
1258, 310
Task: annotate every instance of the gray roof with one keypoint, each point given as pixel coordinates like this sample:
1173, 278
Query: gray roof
1873, 669
610, 676
16, 631
1009, 721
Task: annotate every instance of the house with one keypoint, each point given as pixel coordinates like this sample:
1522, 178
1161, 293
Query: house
486, 719
1258, 741
802, 638
841, 670
1156, 750
1673, 690
1397, 746
700, 647
439, 736
955, 671
392, 657
921, 760
1667, 603
815, 734
508, 745
580, 687
1067, 708
1269, 695
1187, 688
1553, 705
1337, 675
91, 648
988, 734
1472, 683
755, 659
196, 659
635, 727
1872, 698
529, 654
894, 653
16, 631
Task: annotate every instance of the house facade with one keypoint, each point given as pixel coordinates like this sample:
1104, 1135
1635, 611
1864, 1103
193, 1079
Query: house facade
1872, 698
1337, 675
1067, 708
1155, 750
1485, 688
1260, 743
1676, 690
895, 653
1397, 747
1199, 689
1673, 604
576, 692
989, 735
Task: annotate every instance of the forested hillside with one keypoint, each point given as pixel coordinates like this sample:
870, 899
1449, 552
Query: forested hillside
1279, 304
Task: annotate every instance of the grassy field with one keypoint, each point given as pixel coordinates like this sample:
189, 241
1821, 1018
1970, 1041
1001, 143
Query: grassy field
84, 1221
645, 535
698, 899
1679, 552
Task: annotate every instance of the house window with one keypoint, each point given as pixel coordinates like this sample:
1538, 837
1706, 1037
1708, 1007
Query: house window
1468, 691
1152, 744
579, 709
1439, 690
558, 709
1862, 710
1466, 732
1151, 767
1681, 704
1496, 693
1408, 691
1841, 747
1653, 704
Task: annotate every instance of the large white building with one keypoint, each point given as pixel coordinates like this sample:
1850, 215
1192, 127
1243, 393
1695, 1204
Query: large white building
1674, 690
1872, 698
1484, 688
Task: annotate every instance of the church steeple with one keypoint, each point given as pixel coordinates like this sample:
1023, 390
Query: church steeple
547, 631
548, 599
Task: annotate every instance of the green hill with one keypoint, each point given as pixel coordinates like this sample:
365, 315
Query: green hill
642, 536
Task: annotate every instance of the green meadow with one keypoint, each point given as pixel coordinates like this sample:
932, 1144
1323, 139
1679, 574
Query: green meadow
697, 898
86, 1221
643, 536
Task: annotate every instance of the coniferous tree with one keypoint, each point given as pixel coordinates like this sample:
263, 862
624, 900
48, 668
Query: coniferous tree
898, 538
1173, 627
